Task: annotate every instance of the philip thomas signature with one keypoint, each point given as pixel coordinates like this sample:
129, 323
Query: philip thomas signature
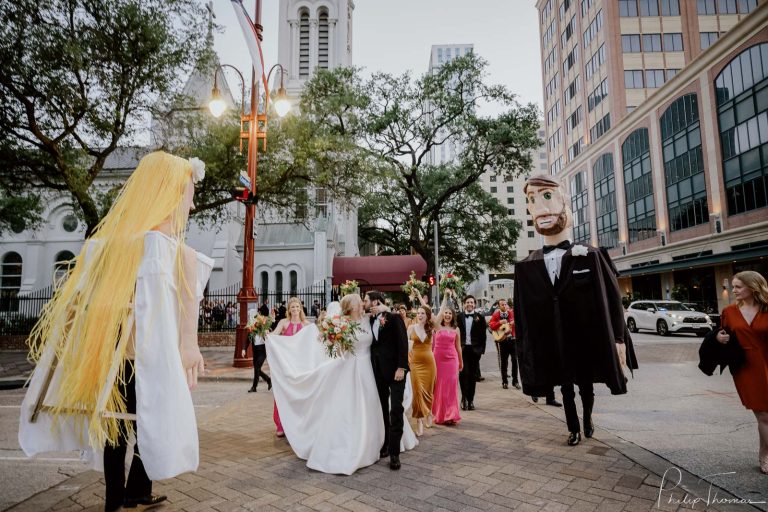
672, 479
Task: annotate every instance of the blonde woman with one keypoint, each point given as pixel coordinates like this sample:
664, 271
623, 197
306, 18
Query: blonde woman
748, 321
99, 368
288, 327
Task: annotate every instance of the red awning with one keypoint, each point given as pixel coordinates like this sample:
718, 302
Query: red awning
385, 273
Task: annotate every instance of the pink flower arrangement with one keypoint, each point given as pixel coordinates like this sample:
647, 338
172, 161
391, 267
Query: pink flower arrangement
259, 326
337, 333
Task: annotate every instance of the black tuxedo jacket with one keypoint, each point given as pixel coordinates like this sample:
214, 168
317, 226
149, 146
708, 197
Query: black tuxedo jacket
476, 334
389, 350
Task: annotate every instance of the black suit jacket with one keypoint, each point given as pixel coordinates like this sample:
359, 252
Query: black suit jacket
390, 350
477, 333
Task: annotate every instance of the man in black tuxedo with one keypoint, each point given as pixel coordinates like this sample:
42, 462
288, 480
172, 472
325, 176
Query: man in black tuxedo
389, 357
472, 327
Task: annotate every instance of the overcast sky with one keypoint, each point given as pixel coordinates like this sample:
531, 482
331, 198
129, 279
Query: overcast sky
396, 35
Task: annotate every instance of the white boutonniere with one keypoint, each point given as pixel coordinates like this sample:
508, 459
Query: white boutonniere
579, 250
198, 169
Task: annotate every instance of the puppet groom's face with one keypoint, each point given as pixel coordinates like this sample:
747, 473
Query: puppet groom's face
548, 207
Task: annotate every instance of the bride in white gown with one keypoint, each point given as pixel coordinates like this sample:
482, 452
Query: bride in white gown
330, 408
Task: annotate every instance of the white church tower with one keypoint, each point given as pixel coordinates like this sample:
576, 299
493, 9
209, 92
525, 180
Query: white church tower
313, 34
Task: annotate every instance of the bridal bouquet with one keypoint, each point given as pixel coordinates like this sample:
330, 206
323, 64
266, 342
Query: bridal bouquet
451, 282
414, 285
349, 287
337, 333
259, 326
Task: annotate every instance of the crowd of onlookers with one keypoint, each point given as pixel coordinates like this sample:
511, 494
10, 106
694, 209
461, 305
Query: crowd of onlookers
217, 314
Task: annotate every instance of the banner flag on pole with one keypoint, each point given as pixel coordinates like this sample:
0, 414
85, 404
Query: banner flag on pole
251, 40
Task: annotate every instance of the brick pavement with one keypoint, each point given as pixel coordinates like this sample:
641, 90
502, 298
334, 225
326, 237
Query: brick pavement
508, 454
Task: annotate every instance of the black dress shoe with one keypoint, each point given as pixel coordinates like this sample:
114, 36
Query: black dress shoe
463, 404
589, 429
252, 390
535, 399
574, 438
554, 403
269, 384
480, 379
516, 385
504, 385
394, 462
470, 406
146, 502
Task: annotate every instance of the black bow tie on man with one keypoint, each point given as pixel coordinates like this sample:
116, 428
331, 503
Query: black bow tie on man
564, 245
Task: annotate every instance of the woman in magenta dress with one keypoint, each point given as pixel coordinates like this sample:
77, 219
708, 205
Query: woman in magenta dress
288, 327
445, 343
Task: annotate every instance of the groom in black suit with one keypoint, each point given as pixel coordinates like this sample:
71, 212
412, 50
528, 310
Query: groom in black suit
472, 328
389, 357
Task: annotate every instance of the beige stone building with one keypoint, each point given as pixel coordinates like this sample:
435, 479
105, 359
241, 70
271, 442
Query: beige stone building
675, 182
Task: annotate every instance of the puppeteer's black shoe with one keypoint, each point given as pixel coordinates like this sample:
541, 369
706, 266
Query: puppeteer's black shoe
394, 462
574, 438
589, 429
146, 502
504, 385
463, 404
252, 390
554, 403
470, 406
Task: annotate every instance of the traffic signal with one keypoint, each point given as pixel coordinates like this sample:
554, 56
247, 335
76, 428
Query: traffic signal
242, 195
431, 280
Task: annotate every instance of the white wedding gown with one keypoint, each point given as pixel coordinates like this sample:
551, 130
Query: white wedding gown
329, 408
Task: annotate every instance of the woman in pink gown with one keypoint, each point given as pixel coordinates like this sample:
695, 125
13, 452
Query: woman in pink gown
445, 405
288, 327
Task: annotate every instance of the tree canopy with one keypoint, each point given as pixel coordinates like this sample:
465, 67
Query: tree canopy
402, 122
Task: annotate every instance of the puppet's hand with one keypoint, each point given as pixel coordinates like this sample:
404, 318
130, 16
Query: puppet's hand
192, 361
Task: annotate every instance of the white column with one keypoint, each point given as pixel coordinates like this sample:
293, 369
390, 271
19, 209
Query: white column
657, 172
710, 136
312, 45
332, 46
293, 65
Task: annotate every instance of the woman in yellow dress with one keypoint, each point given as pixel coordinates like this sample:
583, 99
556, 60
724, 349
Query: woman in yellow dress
423, 369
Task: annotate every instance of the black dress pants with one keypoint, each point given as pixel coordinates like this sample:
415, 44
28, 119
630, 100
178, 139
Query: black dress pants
468, 376
259, 356
391, 398
139, 485
587, 394
507, 351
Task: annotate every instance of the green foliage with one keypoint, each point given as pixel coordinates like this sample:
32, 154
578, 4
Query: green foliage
18, 213
396, 123
77, 79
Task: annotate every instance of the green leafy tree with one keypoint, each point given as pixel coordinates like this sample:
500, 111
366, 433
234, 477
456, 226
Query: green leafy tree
77, 81
399, 121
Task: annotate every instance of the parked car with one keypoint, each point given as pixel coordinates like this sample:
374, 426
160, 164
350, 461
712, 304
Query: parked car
666, 316
713, 313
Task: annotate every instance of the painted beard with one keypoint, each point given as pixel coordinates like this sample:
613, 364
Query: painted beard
554, 229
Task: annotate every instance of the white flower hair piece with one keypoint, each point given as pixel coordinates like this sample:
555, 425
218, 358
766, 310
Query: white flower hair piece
579, 250
198, 169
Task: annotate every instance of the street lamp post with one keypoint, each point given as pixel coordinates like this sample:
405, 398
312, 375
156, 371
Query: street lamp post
256, 131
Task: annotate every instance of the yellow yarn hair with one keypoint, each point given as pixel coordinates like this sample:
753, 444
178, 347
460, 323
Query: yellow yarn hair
88, 313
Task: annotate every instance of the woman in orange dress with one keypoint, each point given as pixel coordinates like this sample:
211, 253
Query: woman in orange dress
748, 320
423, 370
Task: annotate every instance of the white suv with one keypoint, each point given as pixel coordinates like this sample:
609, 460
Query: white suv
666, 316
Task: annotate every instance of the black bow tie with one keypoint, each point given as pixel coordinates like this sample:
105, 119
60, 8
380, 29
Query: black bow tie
564, 245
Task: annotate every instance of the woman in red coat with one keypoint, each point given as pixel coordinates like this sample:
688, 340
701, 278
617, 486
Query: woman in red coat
748, 320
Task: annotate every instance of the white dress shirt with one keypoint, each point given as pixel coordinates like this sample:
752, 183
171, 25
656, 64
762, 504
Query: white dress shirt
468, 317
375, 327
554, 260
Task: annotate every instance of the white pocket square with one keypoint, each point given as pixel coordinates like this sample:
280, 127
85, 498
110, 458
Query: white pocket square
581, 271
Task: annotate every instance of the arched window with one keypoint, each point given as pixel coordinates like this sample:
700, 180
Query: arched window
742, 115
10, 282
64, 262
322, 40
278, 287
638, 185
684, 164
579, 207
264, 286
605, 201
293, 276
304, 44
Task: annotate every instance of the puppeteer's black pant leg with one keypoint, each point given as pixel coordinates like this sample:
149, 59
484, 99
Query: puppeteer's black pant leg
139, 485
569, 405
587, 394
